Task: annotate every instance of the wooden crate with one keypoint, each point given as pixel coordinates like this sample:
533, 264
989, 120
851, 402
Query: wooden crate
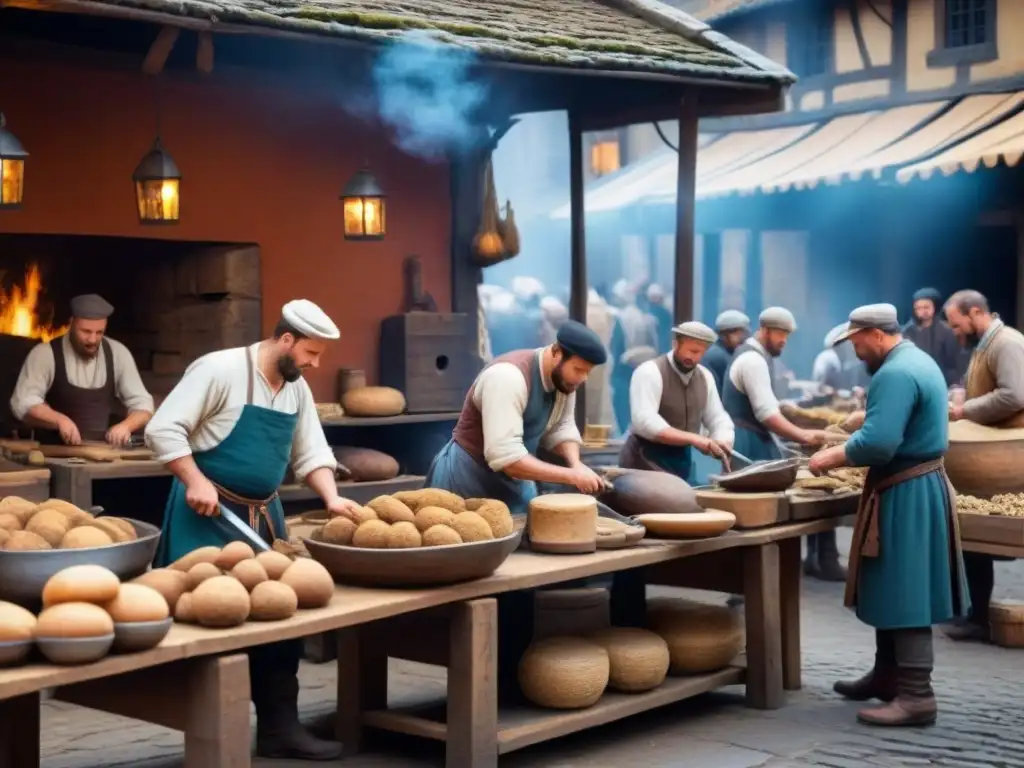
817, 507
994, 529
752, 510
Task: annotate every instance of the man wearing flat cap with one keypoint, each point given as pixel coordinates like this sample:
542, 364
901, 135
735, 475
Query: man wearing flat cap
906, 569
522, 403
733, 328
672, 398
68, 388
931, 334
749, 396
228, 432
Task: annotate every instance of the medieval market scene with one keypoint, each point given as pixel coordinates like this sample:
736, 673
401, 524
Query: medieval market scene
744, 278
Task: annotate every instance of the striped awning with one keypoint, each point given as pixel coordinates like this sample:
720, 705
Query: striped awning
911, 141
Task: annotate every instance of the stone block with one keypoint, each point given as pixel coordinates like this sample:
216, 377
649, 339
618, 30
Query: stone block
229, 271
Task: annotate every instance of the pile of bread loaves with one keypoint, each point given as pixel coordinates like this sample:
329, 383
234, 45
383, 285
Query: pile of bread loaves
430, 517
57, 524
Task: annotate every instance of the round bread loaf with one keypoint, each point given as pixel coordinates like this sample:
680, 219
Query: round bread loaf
137, 602
220, 602
16, 624
168, 582
74, 620
274, 563
373, 401
273, 601
312, 583
81, 584
564, 673
366, 464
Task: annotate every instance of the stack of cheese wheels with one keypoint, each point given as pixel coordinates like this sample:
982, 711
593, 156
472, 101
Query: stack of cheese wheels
563, 523
564, 673
638, 658
701, 637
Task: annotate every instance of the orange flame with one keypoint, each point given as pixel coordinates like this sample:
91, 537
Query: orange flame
19, 310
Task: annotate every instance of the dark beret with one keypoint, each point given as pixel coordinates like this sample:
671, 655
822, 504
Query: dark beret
90, 306
928, 293
576, 339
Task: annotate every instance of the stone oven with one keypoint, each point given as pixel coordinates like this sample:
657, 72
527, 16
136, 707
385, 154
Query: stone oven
174, 301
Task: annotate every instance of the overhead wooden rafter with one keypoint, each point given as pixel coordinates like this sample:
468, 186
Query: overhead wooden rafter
204, 53
161, 48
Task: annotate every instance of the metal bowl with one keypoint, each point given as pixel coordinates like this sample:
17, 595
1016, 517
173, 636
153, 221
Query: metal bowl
760, 477
14, 652
134, 636
420, 567
23, 574
75, 650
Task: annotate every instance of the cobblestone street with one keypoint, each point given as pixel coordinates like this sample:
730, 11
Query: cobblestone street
981, 721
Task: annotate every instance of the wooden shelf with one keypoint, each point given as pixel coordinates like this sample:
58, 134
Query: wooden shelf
524, 726
360, 492
388, 421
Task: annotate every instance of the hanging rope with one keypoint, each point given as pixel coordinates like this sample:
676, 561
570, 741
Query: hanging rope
664, 138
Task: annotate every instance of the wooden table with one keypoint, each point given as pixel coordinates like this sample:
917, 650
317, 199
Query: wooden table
73, 481
197, 680
32, 483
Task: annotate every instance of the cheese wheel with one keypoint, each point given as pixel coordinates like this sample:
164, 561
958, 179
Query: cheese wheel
564, 673
373, 401
563, 523
81, 584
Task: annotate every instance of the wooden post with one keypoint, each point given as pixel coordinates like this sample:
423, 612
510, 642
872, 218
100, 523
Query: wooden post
473, 685
577, 245
764, 633
19, 731
686, 191
362, 683
467, 195
790, 569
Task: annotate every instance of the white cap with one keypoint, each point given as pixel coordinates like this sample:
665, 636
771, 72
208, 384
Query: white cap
695, 330
309, 320
831, 336
732, 320
778, 318
882, 317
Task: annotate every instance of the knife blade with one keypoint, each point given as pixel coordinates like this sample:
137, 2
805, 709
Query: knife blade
239, 527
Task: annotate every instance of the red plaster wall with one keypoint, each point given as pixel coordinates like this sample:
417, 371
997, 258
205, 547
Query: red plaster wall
260, 163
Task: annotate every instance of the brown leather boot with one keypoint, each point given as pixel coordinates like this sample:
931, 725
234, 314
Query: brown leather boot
914, 705
879, 683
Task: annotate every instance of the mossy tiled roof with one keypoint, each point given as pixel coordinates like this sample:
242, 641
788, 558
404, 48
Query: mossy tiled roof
618, 35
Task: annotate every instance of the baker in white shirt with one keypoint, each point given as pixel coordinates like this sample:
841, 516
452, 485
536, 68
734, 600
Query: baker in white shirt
749, 397
521, 404
68, 387
228, 432
671, 399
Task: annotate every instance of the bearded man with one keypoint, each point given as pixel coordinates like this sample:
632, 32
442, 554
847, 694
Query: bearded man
906, 571
68, 387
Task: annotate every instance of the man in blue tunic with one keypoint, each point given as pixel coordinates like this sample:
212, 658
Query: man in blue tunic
906, 568
228, 432
733, 327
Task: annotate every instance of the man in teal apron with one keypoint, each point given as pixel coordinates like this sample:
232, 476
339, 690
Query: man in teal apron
228, 432
671, 399
906, 567
521, 405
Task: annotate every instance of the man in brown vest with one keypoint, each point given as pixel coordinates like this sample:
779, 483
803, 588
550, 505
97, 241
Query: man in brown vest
995, 397
68, 387
671, 398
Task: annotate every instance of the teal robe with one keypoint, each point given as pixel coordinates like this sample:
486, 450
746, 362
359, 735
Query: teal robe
917, 578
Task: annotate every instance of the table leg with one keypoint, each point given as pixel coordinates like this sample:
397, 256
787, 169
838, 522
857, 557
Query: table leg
217, 725
790, 572
19, 731
72, 483
362, 683
472, 716
764, 635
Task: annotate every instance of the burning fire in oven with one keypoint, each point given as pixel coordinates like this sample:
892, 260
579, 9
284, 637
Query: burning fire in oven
19, 310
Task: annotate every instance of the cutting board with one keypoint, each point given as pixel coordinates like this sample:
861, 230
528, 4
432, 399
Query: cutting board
752, 510
95, 452
812, 506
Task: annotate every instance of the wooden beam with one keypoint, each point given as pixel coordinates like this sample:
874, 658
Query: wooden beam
204, 53
161, 48
686, 192
577, 245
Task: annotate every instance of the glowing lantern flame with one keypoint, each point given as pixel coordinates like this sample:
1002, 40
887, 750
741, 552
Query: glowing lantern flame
19, 310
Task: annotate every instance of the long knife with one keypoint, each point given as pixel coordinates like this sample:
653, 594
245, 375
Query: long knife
232, 521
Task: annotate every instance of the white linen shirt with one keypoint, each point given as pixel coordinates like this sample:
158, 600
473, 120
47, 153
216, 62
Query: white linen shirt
40, 368
749, 373
500, 393
202, 410
645, 390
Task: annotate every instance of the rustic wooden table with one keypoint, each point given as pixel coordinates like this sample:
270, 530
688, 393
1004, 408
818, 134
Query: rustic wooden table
73, 481
206, 670
30, 483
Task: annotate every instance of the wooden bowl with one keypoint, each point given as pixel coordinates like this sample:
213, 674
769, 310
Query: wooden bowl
984, 468
419, 567
700, 525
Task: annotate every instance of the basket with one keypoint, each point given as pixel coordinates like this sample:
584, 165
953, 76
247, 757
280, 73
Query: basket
701, 638
1006, 620
570, 611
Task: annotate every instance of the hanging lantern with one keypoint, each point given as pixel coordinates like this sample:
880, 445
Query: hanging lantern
157, 187
12, 168
363, 202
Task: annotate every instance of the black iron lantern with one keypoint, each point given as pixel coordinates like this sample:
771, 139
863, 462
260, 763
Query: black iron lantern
12, 168
363, 202
157, 187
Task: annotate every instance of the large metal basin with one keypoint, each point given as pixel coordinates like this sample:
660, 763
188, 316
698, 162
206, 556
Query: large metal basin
760, 477
420, 567
986, 468
23, 574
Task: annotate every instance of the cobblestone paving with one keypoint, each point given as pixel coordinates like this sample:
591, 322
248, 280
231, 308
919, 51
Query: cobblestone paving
979, 686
